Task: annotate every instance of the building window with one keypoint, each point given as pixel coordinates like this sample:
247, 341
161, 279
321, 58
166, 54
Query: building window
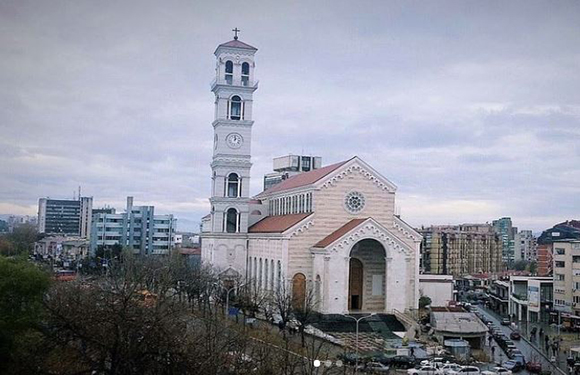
232, 221
236, 108
245, 74
560, 264
560, 251
229, 72
233, 185
560, 277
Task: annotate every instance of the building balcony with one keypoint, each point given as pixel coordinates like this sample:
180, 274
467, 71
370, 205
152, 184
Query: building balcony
235, 83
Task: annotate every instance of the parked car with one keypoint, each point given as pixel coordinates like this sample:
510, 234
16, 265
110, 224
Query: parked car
513, 366
505, 322
497, 371
467, 370
519, 358
349, 358
447, 368
402, 361
514, 352
425, 370
515, 335
374, 368
534, 367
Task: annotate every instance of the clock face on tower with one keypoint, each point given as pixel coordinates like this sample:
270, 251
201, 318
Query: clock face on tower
234, 140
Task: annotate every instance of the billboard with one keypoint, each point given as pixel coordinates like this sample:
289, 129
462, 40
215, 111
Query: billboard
534, 295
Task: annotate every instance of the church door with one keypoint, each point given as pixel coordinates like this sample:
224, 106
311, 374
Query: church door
355, 284
298, 290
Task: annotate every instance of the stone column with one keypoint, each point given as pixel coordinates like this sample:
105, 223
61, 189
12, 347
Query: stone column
325, 284
409, 283
347, 281
388, 283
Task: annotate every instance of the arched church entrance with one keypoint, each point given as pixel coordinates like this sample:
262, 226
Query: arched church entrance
298, 290
355, 284
366, 276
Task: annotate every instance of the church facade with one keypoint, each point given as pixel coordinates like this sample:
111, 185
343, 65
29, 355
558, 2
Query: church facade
332, 231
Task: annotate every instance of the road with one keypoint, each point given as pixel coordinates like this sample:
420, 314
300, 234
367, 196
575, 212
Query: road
528, 350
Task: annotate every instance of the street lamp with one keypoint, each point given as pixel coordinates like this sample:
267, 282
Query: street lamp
228, 291
356, 347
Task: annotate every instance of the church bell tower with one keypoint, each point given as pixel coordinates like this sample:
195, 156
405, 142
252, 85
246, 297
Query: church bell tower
225, 245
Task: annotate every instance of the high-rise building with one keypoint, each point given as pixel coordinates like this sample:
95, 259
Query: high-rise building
138, 228
525, 246
507, 233
567, 275
567, 230
460, 250
290, 165
65, 217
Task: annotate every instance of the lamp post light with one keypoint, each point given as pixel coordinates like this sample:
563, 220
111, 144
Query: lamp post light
228, 291
356, 345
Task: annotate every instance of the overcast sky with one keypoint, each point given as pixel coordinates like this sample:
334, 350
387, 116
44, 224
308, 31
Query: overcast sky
472, 108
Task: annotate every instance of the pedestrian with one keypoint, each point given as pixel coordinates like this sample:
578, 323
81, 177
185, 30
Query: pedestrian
541, 332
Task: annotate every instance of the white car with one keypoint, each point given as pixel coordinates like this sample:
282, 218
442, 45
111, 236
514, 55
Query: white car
466, 370
447, 368
497, 371
425, 370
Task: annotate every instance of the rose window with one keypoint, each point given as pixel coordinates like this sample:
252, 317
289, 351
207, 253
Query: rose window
354, 202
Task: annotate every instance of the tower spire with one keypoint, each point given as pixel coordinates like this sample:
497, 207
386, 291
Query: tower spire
236, 31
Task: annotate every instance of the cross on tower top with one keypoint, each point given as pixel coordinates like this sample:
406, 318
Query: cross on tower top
236, 31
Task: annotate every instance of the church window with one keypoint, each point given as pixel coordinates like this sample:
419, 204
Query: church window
266, 274
279, 276
233, 185
354, 202
260, 276
232, 221
272, 274
229, 72
245, 74
236, 108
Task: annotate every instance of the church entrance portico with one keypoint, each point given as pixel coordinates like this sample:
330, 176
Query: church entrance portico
366, 277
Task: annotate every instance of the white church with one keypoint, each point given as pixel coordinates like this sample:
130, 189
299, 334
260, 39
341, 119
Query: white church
332, 229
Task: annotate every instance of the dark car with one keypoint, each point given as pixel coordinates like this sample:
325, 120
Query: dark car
513, 352
402, 362
534, 367
513, 366
505, 322
349, 358
515, 335
519, 358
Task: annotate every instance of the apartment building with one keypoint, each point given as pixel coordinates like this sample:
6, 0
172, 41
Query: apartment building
566, 230
525, 246
69, 217
566, 268
507, 233
460, 250
138, 228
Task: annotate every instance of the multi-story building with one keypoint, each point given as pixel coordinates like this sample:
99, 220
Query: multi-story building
507, 233
65, 217
525, 246
290, 165
567, 276
567, 230
138, 228
461, 249
530, 298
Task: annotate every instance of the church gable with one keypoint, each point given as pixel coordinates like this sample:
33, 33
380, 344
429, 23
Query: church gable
354, 166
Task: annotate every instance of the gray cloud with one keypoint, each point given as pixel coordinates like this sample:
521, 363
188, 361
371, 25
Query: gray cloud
472, 109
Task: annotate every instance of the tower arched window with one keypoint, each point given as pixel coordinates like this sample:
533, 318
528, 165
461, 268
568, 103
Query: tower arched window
232, 221
229, 72
245, 74
236, 108
234, 185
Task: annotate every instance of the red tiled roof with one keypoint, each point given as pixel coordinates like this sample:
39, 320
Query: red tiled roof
303, 179
277, 224
237, 44
339, 232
